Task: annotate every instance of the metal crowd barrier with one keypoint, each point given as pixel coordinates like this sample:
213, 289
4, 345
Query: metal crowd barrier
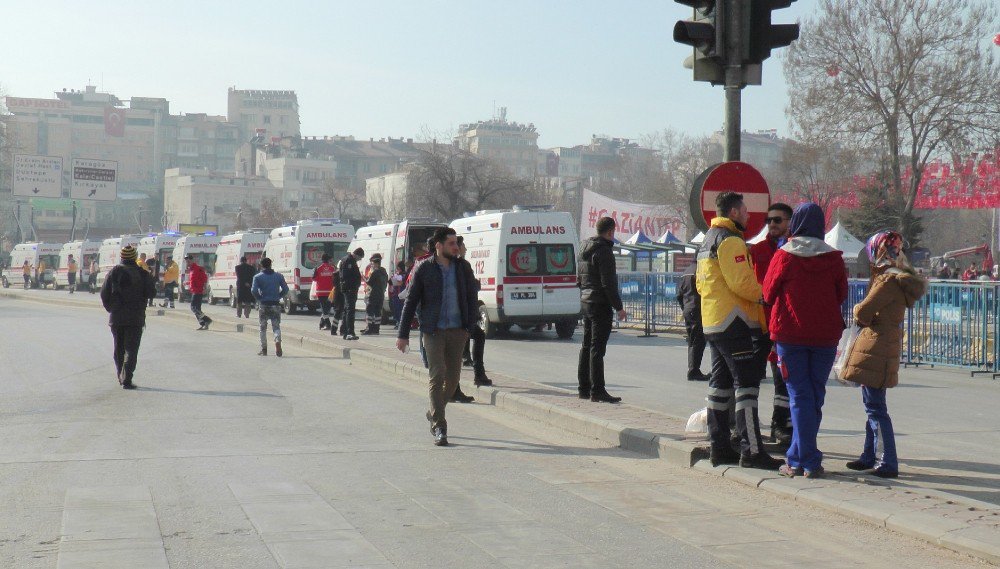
954, 324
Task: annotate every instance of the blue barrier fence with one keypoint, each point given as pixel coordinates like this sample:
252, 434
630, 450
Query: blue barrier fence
954, 324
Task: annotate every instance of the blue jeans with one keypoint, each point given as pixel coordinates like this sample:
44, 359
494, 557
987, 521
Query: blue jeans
806, 370
879, 438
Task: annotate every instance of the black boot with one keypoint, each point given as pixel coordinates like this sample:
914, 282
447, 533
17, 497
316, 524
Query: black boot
460, 397
604, 397
724, 455
482, 380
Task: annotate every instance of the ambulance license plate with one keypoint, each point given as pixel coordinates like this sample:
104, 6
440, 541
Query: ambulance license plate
524, 296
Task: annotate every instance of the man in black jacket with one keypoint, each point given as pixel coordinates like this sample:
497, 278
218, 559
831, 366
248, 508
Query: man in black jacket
443, 288
350, 282
598, 280
127, 288
244, 282
690, 301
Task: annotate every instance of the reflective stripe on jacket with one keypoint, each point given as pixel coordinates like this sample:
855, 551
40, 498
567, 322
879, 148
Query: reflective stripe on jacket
729, 290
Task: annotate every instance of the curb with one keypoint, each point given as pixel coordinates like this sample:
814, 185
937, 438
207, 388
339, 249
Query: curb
954, 526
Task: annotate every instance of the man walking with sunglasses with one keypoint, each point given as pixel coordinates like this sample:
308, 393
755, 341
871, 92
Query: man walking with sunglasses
778, 216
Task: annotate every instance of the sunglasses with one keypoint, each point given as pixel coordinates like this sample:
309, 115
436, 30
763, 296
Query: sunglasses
777, 219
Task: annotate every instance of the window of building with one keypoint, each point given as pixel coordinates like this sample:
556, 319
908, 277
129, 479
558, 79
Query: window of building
282, 120
267, 119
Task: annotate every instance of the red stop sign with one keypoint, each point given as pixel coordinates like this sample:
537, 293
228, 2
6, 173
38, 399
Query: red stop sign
738, 177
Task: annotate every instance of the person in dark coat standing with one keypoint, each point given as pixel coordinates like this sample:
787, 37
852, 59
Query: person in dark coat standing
350, 282
690, 301
598, 280
244, 281
377, 281
153, 266
126, 291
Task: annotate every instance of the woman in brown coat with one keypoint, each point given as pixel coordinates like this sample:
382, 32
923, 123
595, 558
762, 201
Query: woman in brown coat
874, 360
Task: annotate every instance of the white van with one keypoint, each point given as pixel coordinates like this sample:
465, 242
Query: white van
396, 241
203, 247
222, 281
83, 251
160, 246
526, 263
34, 253
110, 253
296, 250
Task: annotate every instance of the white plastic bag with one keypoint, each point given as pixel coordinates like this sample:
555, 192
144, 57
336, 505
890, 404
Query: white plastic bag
698, 422
844, 348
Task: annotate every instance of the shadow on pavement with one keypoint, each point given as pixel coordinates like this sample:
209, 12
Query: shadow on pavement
213, 393
534, 448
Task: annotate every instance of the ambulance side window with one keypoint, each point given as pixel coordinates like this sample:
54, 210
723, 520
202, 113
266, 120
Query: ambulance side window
559, 260
522, 260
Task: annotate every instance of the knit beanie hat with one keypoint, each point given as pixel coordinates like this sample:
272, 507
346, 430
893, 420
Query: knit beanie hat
128, 253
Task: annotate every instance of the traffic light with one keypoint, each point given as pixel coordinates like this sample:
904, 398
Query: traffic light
705, 32
762, 35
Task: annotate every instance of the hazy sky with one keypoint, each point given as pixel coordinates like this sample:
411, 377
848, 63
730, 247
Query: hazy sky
375, 68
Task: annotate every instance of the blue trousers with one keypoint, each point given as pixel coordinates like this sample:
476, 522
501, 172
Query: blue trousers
806, 370
880, 442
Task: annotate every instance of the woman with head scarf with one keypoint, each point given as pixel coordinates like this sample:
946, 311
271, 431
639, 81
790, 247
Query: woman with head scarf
805, 286
874, 359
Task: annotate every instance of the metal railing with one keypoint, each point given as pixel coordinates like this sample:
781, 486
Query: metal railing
954, 324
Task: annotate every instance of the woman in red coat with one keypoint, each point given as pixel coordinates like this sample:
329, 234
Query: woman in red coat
805, 286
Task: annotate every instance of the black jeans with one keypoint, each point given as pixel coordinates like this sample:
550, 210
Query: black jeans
350, 305
478, 345
597, 321
196, 300
127, 339
737, 369
696, 348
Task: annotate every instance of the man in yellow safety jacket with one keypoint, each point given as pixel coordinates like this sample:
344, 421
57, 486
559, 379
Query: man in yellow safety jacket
733, 319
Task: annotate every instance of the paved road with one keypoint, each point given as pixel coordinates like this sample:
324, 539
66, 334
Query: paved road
946, 422
224, 459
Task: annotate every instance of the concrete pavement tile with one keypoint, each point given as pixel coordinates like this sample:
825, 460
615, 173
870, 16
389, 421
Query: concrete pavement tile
394, 510
126, 522
923, 525
575, 475
636, 499
791, 554
296, 515
517, 540
558, 562
96, 557
706, 466
716, 529
873, 510
334, 549
269, 492
750, 476
791, 486
101, 496
980, 542
464, 508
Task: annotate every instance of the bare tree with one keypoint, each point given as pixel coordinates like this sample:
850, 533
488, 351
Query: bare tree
907, 76
269, 214
335, 197
447, 182
680, 159
817, 171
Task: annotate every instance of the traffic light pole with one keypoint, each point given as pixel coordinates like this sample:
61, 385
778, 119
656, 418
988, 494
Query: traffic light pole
734, 78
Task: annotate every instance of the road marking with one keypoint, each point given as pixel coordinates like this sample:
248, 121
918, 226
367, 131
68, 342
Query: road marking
302, 530
110, 527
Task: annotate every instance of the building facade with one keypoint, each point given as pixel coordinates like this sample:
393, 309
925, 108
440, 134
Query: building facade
511, 144
277, 112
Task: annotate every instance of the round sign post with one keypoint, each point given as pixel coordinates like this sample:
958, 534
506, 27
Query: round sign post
738, 177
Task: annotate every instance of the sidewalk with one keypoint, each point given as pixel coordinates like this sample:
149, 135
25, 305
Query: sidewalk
908, 506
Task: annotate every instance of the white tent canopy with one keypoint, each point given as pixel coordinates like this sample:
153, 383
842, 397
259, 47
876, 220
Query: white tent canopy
839, 238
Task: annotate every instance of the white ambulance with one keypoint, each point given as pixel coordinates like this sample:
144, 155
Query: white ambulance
203, 247
158, 245
296, 250
110, 253
34, 253
222, 281
396, 241
83, 251
525, 259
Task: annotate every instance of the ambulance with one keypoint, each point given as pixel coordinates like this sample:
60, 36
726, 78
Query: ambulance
34, 253
222, 281
110, 253
203, 247
296, 250
525, 259
83, 251
396, 241
158, 245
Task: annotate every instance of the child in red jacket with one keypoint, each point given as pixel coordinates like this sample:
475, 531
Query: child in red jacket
806, 285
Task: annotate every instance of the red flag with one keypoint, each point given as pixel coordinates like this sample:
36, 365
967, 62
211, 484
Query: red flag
114, 121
